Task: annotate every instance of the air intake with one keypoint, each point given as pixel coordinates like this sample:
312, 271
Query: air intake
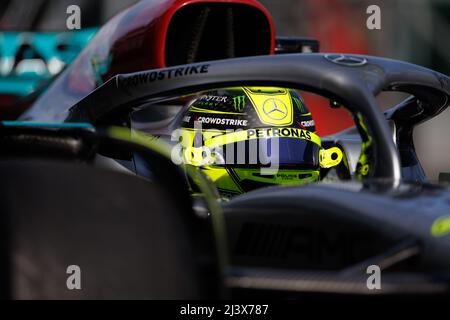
214, 31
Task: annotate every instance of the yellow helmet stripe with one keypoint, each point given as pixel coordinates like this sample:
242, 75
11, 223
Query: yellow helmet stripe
201, 110
218, 138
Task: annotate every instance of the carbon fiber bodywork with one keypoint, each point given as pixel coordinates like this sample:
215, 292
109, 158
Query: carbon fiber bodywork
402, 226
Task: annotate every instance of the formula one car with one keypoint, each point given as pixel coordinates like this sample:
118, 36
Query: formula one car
90, 181
280, 241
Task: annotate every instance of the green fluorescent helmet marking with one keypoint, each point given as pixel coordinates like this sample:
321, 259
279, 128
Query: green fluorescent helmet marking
441, 226
201, 110
239, 103
298, 104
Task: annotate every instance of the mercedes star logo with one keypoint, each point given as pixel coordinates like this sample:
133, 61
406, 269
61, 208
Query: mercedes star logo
346, 60
275, 109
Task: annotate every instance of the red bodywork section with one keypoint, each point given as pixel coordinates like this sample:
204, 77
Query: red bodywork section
143, 37
137, 39
147, 41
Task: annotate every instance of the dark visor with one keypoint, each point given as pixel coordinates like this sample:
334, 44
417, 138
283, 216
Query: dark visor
290, 153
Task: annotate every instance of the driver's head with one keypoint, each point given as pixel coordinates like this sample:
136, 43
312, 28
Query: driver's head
249, 137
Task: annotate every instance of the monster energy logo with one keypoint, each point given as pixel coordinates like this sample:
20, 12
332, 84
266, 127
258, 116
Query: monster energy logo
239, 103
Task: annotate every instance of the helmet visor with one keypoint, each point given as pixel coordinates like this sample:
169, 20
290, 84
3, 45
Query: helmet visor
286, 153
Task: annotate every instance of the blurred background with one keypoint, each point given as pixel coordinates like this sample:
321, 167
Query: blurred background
411, 30
45, 15
35, 45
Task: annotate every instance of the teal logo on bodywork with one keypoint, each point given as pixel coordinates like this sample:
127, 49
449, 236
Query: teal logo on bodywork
27, 58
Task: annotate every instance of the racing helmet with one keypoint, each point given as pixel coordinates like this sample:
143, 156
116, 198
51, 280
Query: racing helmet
245, 138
